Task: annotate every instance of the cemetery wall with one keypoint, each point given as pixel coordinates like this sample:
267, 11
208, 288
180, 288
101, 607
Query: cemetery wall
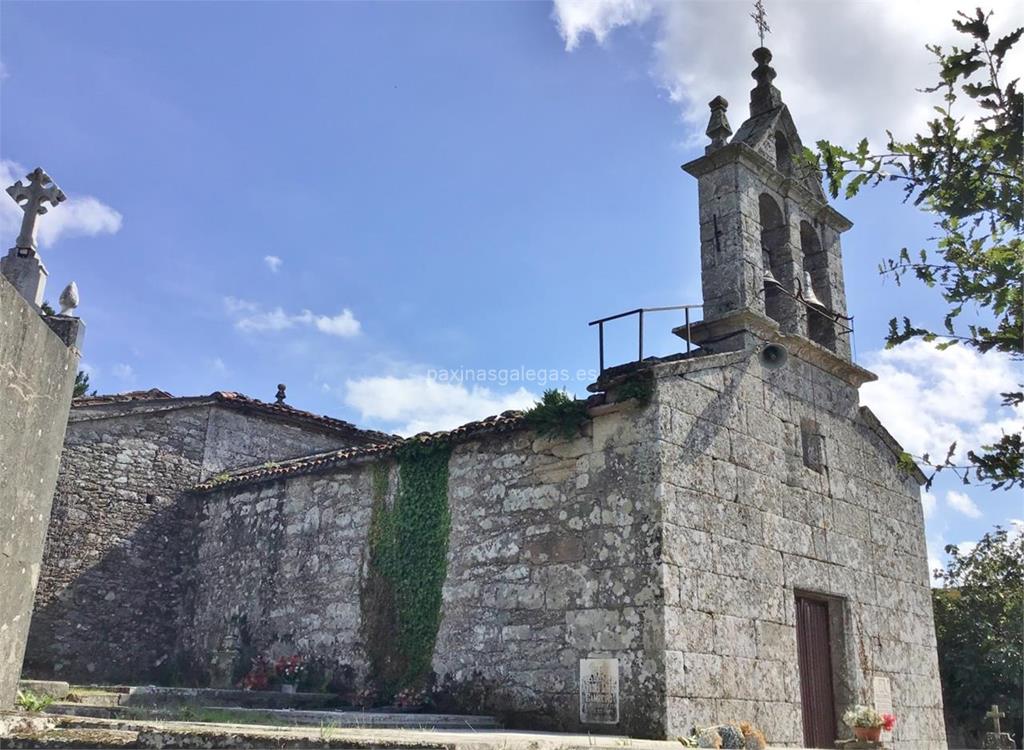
37, 374
775, 482
119, 547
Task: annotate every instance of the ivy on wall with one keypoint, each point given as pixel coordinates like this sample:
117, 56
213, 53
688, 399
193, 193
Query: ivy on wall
408, 564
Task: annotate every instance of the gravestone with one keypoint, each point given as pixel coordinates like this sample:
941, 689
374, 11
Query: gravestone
599, 691
997, 740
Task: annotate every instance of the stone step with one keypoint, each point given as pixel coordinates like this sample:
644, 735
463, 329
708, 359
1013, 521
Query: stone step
103, 688
277, 717
95, 698
66, 737
170, 696
48, 688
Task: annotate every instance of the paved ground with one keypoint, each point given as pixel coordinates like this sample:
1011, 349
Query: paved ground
46, 731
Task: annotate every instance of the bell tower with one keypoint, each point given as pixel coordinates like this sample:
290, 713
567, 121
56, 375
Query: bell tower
771, 263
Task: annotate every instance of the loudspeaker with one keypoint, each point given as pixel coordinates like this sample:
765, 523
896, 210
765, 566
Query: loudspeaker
773, 356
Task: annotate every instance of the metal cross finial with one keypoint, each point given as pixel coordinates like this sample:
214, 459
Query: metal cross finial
995, 714
40, 190
760, 20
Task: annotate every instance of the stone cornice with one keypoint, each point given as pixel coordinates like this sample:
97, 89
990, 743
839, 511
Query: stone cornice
768, 330
790, 187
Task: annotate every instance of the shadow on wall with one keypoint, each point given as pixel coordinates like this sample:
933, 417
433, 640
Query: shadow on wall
118, 620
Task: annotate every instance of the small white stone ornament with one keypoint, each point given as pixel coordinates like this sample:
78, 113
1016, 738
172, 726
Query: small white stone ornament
69, 298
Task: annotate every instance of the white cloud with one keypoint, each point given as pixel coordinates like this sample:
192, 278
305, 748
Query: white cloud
218, 366
928, 502
80, 215
966, 548
234, 305
273, 262
576, 18
1016, 528
959, 502
864, 59
421, 404
123, 371
929, 398
251, 318
4, 71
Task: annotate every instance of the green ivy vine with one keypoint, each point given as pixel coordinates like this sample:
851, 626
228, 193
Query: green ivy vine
408, 565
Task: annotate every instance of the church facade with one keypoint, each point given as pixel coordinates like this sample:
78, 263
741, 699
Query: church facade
725, 535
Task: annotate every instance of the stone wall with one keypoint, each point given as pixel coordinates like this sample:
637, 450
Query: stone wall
552, 558
37, 374
748, 522
671, 537
116, 548
120, 550
278, 571
235, 439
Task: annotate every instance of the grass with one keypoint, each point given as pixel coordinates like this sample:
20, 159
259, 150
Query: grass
29, 701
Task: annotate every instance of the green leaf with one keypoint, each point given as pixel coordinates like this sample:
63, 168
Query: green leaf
1000, 48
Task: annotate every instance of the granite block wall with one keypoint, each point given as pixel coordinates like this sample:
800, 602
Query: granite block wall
119, 549
555, 552
671, 536
37, 375
747, 522
116, 549
553, 557
278, 571
235, 439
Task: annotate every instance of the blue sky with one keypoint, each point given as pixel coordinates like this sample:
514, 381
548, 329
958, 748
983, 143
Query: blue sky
348, 197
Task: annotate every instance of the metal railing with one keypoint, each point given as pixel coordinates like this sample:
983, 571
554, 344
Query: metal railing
639, 312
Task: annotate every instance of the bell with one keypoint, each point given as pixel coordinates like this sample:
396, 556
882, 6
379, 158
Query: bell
769, 277
808, 293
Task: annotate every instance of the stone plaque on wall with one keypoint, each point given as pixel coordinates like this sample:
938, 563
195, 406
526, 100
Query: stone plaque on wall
881, 688
599, 691
882, 691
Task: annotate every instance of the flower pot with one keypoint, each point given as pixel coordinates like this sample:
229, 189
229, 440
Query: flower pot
867, 734
287, 687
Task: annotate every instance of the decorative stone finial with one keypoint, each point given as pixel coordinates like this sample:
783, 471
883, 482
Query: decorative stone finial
764, 97
69, 298
21, 264
280, 393
718, 126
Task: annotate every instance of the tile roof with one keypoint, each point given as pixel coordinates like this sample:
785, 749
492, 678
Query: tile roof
239, 401
152, 394
505, 422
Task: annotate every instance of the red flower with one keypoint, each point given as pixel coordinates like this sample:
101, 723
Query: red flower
888, 722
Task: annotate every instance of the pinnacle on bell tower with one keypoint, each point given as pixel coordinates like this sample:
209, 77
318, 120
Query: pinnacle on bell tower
771, 262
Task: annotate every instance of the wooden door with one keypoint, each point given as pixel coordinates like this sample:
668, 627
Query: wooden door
814, 654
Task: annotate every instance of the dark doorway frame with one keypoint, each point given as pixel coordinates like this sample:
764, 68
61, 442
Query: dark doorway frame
822, 667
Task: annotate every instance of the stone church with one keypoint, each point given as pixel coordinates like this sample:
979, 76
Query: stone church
724, 535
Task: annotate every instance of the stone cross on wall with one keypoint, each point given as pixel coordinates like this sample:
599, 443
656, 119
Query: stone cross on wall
32, 199
21, 266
